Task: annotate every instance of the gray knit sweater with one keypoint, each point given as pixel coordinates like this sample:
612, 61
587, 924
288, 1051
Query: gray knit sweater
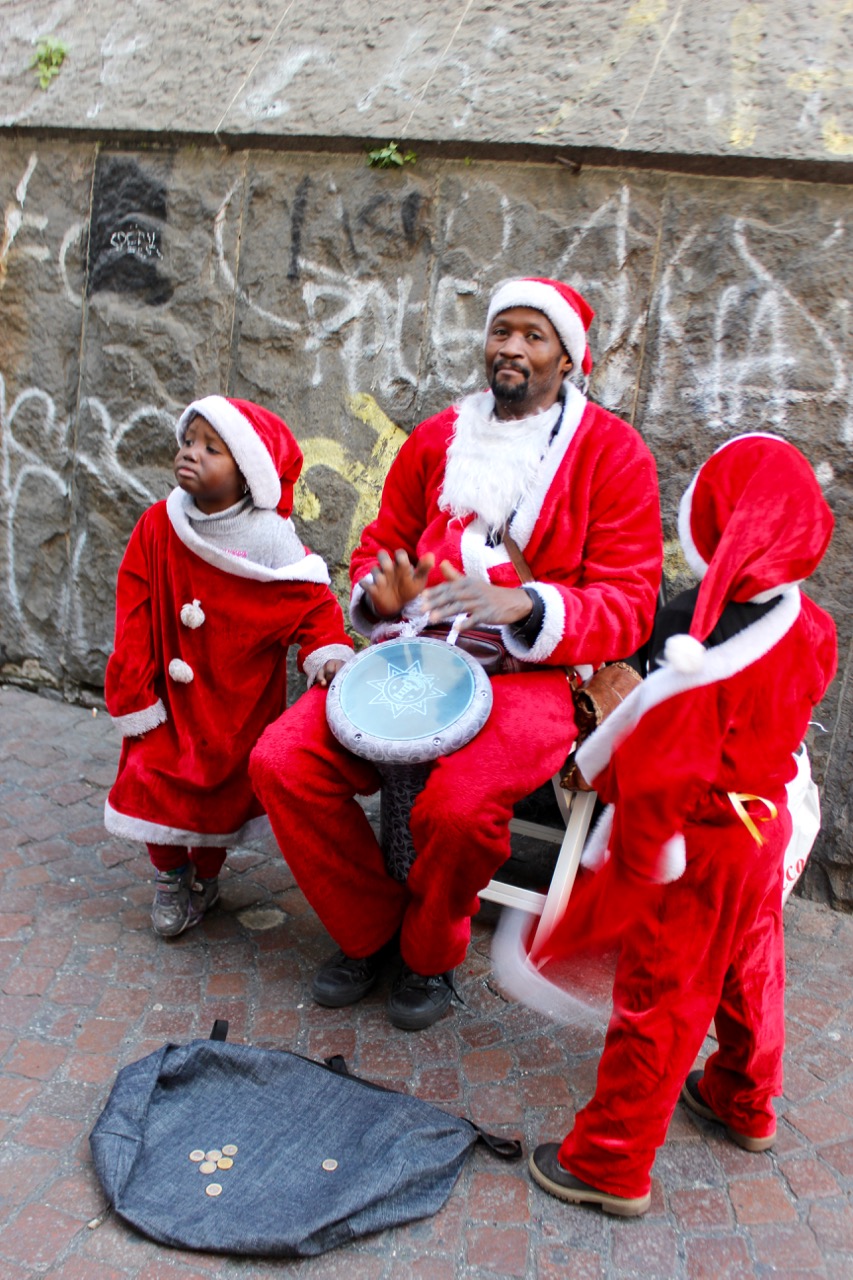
247, 532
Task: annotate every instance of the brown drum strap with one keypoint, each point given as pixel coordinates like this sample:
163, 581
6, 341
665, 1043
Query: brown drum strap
516, 555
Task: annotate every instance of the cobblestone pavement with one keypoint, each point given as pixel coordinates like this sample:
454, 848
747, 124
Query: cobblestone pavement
87, 987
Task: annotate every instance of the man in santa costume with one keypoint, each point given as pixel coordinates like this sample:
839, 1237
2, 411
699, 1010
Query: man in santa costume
214, 587
696, 760
576, 489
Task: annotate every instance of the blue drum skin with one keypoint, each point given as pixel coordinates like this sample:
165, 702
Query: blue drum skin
407, 701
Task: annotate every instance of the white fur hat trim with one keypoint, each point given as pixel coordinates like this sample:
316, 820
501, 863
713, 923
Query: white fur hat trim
542, 297
684, 654
181, 671
192, 615
248, 449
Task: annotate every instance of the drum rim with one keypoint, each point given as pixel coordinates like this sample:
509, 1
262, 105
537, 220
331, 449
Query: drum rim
421, 748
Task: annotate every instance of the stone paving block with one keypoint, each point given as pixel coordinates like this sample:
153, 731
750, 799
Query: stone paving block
809, 1178
86, 987
37, 1235
497, 1249
786, 1247
820, 1121
760, 1199
701, 1207
713, 1258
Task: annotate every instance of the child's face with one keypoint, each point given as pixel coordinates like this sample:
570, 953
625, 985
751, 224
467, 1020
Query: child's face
205, 468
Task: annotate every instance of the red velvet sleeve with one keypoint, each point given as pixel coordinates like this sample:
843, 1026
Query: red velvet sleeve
131, 697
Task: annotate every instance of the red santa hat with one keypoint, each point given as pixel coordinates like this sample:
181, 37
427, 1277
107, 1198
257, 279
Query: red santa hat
262, 445
569, 313
752, 522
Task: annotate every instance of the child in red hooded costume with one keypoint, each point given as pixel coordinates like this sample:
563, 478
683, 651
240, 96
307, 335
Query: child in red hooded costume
695, 762
214, 587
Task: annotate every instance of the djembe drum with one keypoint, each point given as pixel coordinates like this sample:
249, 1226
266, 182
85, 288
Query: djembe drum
402, 704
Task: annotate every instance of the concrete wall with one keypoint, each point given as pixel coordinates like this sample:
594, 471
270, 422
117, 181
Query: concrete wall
352, 301
742, 82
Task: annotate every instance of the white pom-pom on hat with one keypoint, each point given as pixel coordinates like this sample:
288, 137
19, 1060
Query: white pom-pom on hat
192, 615
684, 654
181, 671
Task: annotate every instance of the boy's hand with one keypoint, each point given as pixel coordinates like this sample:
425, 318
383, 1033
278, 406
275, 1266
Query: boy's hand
393, 583
328, 672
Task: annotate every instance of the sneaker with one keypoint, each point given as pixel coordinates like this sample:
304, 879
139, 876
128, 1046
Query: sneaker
344, 979
174, 908
417, 1001
546, 1169
691, 1094
205, 894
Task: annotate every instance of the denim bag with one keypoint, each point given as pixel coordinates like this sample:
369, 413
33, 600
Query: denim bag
317, 1157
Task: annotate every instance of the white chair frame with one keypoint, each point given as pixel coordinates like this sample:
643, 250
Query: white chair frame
576, 808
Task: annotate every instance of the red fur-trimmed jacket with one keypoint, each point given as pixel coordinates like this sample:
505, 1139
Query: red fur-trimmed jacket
199, 671
590, 532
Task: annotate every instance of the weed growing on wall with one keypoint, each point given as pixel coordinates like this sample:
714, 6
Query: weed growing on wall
389, 157
48, 58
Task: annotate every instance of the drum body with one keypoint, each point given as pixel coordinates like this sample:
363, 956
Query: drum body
407, 701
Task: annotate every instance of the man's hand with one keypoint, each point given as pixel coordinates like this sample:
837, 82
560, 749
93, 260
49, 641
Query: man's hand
482, 602
393, 583
329, 671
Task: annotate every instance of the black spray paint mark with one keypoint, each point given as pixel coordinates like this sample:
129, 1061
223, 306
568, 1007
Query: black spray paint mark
409, 212
126, 232
297, 221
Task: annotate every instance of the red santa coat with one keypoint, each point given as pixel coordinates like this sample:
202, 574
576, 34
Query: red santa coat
590, 532
197, 674
709, 944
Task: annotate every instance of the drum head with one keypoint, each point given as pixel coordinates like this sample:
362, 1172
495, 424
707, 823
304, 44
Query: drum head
406, 701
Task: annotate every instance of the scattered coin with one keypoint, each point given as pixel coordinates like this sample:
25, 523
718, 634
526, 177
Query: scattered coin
224, 1162
229, 1149
196, 1156
330, 1165
207, 1166
213, 1189
213, 1155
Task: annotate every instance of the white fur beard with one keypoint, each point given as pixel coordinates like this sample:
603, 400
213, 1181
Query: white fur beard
492, 464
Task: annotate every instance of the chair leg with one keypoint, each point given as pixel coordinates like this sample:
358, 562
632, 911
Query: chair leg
582, 804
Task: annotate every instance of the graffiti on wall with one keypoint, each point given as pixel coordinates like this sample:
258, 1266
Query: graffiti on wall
766, 353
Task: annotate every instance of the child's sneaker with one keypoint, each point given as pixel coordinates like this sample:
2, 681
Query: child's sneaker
205, 894
174, 907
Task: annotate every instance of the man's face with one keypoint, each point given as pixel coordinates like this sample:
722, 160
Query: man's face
525, 362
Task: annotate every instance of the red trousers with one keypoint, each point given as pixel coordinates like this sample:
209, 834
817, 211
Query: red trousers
460, 822
169, 857
708, 946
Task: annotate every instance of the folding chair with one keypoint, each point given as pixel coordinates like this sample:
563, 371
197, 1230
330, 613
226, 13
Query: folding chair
576, 808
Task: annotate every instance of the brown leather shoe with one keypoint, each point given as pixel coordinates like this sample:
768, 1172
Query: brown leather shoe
550, 1174
691, 1095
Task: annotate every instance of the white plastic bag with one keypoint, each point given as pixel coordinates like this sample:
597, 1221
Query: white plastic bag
804, 807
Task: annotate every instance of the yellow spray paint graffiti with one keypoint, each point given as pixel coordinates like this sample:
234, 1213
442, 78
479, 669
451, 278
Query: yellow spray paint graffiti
366, 478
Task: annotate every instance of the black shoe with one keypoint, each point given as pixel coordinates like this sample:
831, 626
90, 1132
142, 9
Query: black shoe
345, 980
417, 1001
692, 1095
553, 1178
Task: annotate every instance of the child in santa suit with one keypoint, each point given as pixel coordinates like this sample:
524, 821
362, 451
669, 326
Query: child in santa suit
696, 761
215, 585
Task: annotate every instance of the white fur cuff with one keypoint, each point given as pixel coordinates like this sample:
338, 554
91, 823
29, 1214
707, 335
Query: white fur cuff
553, 626
136, 723
361, 617
314, 663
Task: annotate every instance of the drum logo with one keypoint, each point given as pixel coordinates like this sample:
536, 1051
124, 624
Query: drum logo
406, 690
